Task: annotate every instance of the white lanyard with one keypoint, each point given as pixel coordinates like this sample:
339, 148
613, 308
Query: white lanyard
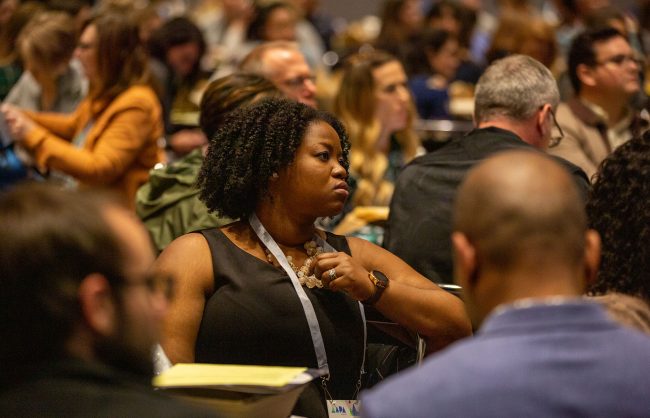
308, 308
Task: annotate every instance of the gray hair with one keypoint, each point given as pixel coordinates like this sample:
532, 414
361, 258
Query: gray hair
254, 61
515, 87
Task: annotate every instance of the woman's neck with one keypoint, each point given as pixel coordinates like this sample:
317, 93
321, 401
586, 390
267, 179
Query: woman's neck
284, 226
383, 142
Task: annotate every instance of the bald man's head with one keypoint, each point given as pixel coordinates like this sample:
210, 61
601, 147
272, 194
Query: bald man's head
520, 231
521, 206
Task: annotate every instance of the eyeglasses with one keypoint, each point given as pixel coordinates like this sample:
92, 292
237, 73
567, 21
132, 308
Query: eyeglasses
156, 284
84, 45
555, 139
299, 81
621, 59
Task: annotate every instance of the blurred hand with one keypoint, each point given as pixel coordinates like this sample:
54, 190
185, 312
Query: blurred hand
18, 123
351, 277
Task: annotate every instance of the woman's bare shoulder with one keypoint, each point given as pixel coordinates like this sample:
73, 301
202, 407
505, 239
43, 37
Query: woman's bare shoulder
187, 243
188, 257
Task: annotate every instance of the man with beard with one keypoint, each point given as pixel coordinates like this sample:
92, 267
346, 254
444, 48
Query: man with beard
80, 308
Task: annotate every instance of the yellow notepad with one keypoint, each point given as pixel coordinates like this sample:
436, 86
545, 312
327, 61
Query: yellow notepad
215, 375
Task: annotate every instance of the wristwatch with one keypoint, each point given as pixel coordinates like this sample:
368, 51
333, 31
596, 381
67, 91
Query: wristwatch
380, 281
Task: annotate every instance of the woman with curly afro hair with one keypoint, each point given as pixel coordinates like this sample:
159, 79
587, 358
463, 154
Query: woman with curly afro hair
619, 209
271, 288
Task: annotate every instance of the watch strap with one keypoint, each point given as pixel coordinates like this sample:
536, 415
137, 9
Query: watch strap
380, 281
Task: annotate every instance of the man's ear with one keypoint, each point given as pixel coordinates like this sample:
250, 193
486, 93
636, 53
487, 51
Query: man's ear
464, 261
585, 75
592, 256
542, 117
97, 303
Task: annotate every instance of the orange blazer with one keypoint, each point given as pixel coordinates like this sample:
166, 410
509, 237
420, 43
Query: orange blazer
121, 146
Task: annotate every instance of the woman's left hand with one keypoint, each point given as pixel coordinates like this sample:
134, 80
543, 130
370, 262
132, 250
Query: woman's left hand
18, 123
340, 272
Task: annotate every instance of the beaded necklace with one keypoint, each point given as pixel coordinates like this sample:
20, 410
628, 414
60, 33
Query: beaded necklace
306, 280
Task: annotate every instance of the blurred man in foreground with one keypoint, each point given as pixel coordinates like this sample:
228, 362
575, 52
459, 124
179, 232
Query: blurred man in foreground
80, 309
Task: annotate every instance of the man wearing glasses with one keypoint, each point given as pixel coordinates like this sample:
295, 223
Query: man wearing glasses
283, 64
80, 308
604, 72
514, 103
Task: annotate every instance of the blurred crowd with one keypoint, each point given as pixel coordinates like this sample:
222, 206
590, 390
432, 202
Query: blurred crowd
442, 48
269, 148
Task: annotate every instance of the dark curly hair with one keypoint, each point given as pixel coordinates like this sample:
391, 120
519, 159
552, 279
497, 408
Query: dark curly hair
255, 142
619, 209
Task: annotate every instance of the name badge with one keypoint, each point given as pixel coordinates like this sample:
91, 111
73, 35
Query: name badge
343, 408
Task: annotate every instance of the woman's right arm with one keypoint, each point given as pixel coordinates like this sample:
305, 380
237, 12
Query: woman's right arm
24, 123
188, 260
63, 125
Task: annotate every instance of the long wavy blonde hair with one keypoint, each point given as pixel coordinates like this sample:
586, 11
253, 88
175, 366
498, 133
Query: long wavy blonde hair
355, 104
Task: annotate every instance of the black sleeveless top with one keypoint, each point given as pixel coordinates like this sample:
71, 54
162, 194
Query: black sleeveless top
255, 316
